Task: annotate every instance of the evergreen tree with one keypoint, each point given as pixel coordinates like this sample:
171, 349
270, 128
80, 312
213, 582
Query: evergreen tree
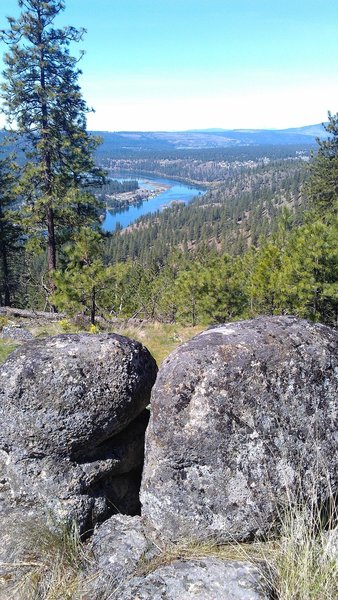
191, 289
323, 184
42, 101
9, 233
309, 272
83, 285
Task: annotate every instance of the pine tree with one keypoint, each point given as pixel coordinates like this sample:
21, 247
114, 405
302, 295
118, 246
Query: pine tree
323, 184
42, 101
83, 285
9, 232
309, 272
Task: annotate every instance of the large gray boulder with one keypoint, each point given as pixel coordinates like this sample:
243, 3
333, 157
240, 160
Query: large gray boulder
72, 410
67, 394
199, 579
243, 420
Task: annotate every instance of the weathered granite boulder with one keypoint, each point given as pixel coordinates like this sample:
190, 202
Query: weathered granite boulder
244, 417
199, 579
73, 423
66, 395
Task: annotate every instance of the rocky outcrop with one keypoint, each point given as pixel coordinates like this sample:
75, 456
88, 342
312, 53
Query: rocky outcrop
72, 409
199, 579
244, 417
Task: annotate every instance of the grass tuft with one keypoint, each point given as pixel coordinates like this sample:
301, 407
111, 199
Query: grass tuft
303, 561
160, 338
46, 564
6, 347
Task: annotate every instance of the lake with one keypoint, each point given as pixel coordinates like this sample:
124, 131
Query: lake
176, 191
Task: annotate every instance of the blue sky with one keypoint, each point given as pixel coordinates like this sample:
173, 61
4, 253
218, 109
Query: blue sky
182, 64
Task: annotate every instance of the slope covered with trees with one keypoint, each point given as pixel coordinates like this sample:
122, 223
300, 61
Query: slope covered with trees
262, 243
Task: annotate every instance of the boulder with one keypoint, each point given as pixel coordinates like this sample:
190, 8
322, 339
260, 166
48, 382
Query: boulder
330, 545
116, 548
65, 395
199, 579
73, 416
243, 420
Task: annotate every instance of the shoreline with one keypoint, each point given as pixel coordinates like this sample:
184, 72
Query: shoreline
116, 202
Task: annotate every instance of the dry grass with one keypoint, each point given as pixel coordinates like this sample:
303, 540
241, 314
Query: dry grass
303, 561
46, 563
193, 550
297, 559
160, 338
296, 565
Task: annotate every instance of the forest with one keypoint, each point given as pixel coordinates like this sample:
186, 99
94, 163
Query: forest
261, 240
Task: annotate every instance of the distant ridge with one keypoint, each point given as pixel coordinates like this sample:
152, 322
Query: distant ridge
316, 130
154, 141
312, 130
208, 138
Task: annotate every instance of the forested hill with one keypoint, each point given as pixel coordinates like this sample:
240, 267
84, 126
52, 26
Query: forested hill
246, 247
244, 202
159, 141
162, 140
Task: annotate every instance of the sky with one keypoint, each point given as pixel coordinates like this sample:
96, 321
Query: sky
166, 65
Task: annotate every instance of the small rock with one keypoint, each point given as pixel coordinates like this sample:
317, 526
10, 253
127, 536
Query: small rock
16, 333
117, 546
330, 545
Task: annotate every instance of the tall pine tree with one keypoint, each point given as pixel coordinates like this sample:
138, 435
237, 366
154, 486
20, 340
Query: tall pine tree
323, 184
10, 233
42, 101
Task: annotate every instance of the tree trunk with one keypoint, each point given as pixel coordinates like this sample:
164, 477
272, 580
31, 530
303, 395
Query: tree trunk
29, 314
51, 252
93, 306
46, 157
5, 272
51, 244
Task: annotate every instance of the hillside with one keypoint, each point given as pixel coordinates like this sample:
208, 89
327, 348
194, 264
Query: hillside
220, 138
139, 142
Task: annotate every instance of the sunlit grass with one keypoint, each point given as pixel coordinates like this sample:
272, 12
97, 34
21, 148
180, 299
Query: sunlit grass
297, 565
160, 338
46, 564
6, 347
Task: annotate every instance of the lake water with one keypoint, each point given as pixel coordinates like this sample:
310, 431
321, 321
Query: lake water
176, 192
